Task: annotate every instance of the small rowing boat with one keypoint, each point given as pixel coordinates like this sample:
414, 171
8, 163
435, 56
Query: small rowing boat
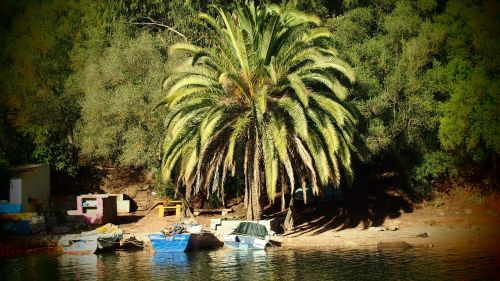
104, 238
174, 238
247, 236
174, 243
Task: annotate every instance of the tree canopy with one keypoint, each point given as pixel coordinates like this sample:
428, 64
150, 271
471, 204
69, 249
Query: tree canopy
80, 80
267, 93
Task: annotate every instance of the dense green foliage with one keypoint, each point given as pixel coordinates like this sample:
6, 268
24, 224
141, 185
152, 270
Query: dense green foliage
38, 114
120, 88
470, 118
80, 79
427, 72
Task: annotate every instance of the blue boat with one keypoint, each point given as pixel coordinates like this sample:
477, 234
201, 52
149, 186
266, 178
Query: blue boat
175, 243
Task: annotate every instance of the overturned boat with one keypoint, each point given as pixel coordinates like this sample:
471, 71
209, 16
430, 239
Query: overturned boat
247, 236
104, 238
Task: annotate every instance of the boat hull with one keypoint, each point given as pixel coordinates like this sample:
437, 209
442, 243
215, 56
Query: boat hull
175, 243
106, 244
243, 242
89, 242
79, 246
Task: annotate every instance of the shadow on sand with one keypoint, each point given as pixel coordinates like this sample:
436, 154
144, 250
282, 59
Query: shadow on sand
361, 206
126, 219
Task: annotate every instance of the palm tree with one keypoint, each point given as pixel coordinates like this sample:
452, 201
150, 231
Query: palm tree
265, 100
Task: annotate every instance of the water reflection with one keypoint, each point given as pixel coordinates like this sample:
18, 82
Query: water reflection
171, 265
272, 264
238, 265
232, 258
80, 267
169, 259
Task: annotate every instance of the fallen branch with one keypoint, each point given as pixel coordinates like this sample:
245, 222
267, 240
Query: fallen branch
154, 22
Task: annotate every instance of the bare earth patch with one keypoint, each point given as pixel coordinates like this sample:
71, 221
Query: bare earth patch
449, 221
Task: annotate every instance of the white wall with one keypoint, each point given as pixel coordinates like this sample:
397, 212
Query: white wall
35, 180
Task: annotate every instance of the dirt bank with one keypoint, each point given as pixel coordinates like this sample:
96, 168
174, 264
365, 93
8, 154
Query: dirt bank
450, 220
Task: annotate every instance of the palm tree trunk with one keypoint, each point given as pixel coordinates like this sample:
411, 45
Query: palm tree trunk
289, 219
250, 209
248, 198
283, 190
283, 204
255, 186
223, 197
256, 208
245, 176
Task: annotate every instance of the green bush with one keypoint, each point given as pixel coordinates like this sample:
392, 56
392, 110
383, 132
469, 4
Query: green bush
435, 166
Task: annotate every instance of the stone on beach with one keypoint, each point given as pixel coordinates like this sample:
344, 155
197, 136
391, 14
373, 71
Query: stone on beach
394, 244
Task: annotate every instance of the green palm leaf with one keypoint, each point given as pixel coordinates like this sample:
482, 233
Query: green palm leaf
265, 100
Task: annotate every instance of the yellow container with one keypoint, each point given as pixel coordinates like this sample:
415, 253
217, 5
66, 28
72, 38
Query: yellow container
18, 216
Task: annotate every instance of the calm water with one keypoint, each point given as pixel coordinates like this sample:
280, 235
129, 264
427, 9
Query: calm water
413, 264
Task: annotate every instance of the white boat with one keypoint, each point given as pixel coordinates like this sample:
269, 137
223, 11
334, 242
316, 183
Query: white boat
106, 237
247, 236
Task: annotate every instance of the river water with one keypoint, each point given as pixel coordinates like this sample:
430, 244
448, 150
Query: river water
272, 264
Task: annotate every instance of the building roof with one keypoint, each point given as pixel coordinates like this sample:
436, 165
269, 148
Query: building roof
27, 167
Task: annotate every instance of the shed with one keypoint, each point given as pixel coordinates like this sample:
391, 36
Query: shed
29, 184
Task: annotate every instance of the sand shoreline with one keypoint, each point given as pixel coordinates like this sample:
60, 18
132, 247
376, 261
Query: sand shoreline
451, 223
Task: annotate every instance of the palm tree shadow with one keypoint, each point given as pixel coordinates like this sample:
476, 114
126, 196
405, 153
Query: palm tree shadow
360, 207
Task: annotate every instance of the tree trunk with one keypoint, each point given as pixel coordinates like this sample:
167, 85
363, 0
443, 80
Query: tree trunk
256, 208
283, 203
249, 206
289, 219
283, 192
248, 194
186, 211
245, 198
223, 195
254, 179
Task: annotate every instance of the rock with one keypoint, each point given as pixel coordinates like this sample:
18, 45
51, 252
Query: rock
430, 245
423, 235
393, 225
373, 228
468, 211
396, 244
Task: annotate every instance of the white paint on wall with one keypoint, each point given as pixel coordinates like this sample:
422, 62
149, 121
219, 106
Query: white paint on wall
16, 194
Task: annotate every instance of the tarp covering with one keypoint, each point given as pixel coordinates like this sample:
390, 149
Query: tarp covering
251, 229
108, 228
